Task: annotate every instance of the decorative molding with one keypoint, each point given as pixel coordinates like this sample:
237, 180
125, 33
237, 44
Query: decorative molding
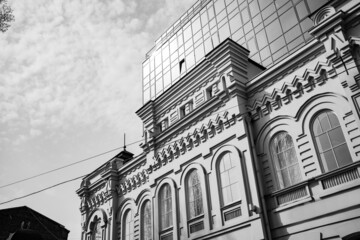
132, 182
297, 88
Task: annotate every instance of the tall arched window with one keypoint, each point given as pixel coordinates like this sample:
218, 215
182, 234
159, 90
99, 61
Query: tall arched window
97, 231
229, 171
146, 221
194, 195
330, 141
284, 156
165, 202
128, 229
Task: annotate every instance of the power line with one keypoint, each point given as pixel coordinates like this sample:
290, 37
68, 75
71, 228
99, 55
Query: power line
66, 166
41, 190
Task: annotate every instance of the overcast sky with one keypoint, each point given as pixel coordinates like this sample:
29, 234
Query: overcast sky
70, 83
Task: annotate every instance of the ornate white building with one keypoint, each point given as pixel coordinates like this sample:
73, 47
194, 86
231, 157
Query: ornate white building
251, 129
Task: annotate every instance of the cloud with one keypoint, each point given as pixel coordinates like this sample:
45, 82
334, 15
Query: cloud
75, 63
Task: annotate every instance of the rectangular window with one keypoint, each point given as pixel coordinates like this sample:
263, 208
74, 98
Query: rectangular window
186, 109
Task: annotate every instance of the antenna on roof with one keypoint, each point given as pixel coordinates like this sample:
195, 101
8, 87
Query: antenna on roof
124, 141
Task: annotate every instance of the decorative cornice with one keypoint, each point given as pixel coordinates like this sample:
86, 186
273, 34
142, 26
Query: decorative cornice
298, 87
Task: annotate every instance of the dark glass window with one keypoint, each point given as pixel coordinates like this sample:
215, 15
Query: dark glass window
330, 141
284, 156
146, 221
194, 200
165, 202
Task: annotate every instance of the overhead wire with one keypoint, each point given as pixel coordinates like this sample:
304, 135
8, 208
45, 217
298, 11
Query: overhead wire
66, 166
41, 190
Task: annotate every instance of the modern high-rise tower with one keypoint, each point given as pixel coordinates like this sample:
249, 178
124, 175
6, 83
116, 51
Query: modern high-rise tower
251, 129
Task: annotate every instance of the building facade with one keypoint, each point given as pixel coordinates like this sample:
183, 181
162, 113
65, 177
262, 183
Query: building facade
251, 129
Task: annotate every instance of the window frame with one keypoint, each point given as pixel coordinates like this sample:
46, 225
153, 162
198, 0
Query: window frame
201, 219
276, 164
223, 205
323, 163
142, 218
97, 217
161, 210
236, 205
173, 230
97, 226
125, 223
187, 187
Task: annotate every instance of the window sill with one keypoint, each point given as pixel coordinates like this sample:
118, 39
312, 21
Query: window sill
293, 204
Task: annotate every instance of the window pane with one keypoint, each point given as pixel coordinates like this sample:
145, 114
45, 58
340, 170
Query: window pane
227, 162
146, 221
128, 226
301, 10
194, 192
291, 156
233, 175
230, 178
329, 160
342, 154
261, 39
165, 206
336, 137
281, 159
324, 121
337, 153
235, 190
295, 174
226, 195
285, 160
333, 120
317, 127
273, 30
225, 179
288, 19
286, 177
323, 142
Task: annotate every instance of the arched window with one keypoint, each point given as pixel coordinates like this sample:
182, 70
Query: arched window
165, 202
284, 157
194, 195
330, 141
128, 229
146, 221
97, 231
229, 173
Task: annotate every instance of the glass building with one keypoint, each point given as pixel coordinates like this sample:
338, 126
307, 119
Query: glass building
269, 29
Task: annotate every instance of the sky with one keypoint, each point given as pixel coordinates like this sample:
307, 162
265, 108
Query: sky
70, 84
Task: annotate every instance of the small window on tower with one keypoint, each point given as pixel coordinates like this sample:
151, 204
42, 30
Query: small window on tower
186, 109
182, 65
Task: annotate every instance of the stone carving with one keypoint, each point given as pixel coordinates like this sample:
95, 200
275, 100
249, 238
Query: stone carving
323, 14
308, 81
